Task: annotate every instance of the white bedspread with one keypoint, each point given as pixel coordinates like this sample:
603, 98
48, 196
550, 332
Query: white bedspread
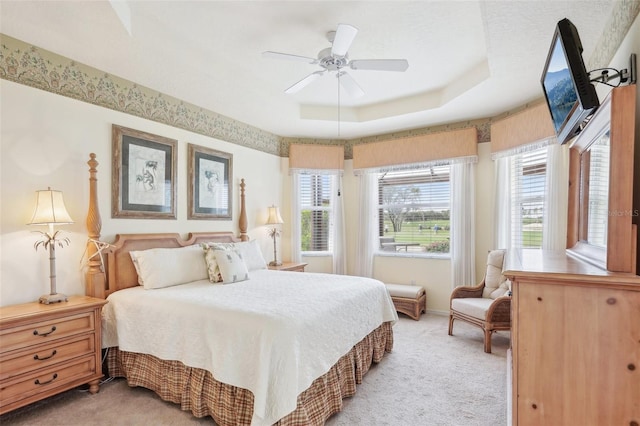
273, 334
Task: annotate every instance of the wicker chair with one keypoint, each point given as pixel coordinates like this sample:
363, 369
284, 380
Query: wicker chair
487, 305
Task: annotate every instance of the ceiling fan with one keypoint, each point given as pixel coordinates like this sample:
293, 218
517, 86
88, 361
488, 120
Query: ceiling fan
336, 58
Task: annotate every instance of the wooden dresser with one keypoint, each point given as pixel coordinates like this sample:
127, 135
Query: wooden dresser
575, 340
47, 349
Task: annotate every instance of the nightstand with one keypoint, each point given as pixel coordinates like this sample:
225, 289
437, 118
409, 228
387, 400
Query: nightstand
48, 349
290, 266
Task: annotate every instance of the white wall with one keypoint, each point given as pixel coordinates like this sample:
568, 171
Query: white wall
46, 140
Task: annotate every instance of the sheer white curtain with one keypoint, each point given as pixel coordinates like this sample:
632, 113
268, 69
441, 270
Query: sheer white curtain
463, 268
554, 224
368, 223
339, 243
502, 203
296, 253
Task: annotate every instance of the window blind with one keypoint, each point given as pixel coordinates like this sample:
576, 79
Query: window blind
528, 198
315, 212
414, 210
598, 193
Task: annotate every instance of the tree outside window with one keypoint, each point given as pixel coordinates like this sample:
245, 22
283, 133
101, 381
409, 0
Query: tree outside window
315, 213
414, 210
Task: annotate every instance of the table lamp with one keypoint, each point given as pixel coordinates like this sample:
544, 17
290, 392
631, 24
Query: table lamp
274, 219
50, 210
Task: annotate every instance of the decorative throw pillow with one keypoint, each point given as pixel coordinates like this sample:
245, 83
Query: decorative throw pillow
232, 267
493, 277
248, 250
165, 267
213, 269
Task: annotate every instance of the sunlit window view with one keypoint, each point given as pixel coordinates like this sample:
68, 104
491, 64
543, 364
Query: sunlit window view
598, 195
315, 210
414, 211
527, 193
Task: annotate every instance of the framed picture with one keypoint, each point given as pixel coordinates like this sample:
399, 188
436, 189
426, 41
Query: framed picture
210, 174
144, 175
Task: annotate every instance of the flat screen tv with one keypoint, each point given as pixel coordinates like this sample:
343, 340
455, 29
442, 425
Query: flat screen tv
571, 97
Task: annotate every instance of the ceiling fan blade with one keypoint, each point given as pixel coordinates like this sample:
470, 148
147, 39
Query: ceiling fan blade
380, 64
343, 38
289, 57
349, 84
304, 82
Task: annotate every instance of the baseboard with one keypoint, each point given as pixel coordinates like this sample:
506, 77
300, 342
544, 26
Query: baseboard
441, 313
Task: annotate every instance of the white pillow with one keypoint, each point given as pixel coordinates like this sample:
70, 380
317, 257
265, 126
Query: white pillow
165, 267
232, 267
248, 250
252, 255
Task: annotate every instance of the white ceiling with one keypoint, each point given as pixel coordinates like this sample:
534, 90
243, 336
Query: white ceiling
467, 59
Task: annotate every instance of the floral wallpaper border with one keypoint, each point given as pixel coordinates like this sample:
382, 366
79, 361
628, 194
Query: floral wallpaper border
39, 68
29, 65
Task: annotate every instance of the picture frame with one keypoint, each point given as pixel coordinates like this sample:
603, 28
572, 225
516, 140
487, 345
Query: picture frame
144, 175
210, 176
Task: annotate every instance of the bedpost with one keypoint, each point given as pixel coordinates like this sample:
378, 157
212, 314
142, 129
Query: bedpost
94, 276
243, 214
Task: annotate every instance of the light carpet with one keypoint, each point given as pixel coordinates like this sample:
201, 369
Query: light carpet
430, 378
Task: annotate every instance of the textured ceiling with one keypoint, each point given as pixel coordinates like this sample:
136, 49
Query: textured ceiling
467, 59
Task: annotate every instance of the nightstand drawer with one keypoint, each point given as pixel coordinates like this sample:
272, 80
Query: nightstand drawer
27, 385
41, 332
41, 356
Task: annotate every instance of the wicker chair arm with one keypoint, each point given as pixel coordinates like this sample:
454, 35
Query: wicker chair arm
500, 310
464, 291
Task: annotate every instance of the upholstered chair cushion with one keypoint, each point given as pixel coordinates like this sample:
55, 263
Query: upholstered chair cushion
494, 278
475, 307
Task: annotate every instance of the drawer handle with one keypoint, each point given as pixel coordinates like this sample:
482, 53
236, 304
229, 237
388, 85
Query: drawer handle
55, 376
37, 358
35, 332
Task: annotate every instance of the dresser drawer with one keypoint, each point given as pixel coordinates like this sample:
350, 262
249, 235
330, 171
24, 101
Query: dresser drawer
40, 356
41, 332
47, 379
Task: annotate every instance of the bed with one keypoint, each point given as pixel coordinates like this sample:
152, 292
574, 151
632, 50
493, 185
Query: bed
277, 348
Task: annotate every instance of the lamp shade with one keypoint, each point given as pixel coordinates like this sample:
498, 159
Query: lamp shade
274, 216
50, 209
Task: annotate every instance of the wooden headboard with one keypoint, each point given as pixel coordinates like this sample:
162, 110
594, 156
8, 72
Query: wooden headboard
119, 272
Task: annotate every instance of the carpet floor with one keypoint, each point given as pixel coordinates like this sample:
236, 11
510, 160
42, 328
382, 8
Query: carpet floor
430, 378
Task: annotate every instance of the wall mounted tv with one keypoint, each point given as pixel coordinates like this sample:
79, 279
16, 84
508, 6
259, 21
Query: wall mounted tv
571, 97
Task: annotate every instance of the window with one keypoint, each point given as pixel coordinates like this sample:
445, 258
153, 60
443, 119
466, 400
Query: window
528, 175
315, 212
598, 191
414, 210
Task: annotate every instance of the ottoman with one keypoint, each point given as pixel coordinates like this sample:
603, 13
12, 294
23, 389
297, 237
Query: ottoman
408, 299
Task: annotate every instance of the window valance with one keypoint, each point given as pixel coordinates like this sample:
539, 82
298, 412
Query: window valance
316, 157
435, 147
523, 128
